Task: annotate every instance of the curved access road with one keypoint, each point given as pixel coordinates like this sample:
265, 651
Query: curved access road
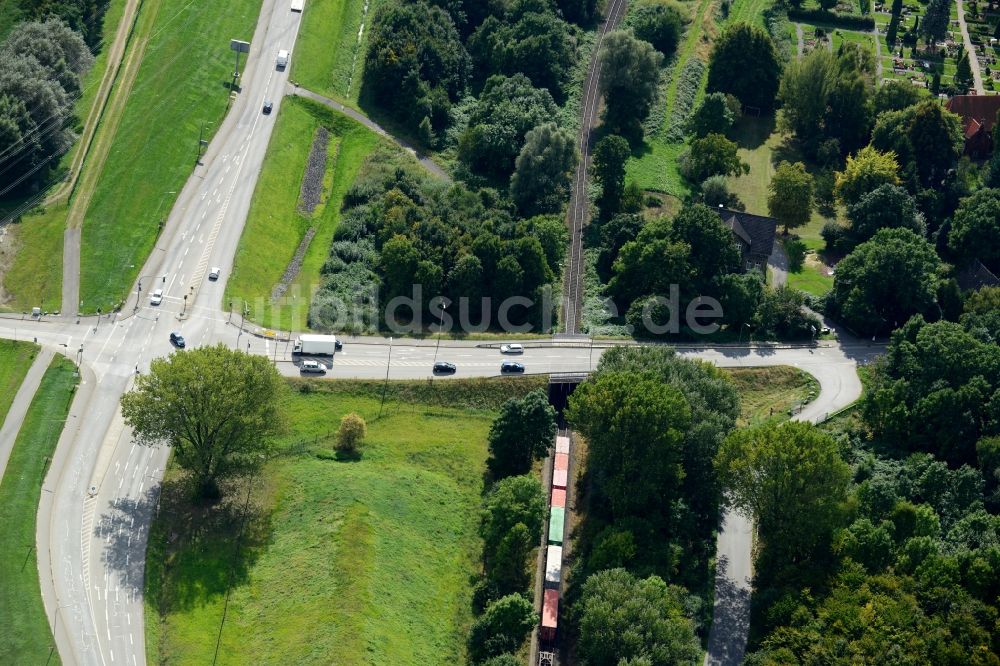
836, 372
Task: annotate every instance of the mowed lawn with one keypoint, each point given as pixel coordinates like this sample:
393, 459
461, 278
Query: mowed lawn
343, 562
181, 86
330, 49
25, 637
275, 227
15, 359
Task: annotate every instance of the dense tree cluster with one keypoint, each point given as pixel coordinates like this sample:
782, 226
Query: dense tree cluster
630, 72
521, 434
400, 231
42, 64
83, 16
745, 64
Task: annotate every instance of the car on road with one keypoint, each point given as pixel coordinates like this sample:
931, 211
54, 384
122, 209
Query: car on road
508, 367
312, 366
444, 368
177, 340
214, 273
339, 344
268, 105
282, 61
156, 297
512, 348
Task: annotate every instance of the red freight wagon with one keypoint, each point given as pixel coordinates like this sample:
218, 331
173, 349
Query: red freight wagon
550, 614
562, 461
559, 497
559, 477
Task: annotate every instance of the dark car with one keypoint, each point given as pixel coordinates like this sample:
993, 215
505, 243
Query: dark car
338, 344
177, 340
511, 366
444, 368
268, 105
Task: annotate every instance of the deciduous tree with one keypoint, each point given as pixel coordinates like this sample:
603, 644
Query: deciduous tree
864, 172
609, 158
975, 230
543, 170
790, 195
630, 71
502, 628
885, 207
523, 432
351, 433
713, 155
744, 63
219, 409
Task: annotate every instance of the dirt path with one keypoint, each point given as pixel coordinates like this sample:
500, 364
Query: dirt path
428, 163
579, 203
878, 56
98, 151
977, 76
800, 40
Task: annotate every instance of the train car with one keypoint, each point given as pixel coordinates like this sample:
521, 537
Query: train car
557, 516
559, 478
550, 614
553, 566
559, 498
562, 444
561, 462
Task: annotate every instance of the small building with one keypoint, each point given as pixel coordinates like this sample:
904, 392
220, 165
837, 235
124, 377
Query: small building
979, 115
974, 275
754, 234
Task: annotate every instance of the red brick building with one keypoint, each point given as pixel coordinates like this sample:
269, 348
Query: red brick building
979, 115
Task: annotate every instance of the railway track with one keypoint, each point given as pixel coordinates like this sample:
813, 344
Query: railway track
579, 204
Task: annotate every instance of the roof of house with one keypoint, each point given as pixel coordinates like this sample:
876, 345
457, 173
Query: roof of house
757, 231
979, 108
974, 276
972, 128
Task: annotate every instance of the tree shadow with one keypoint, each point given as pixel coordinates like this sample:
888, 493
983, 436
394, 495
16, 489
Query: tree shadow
751, 132
205, 550
727, 639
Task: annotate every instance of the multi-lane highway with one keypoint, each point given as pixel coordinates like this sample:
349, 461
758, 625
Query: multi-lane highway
100, 493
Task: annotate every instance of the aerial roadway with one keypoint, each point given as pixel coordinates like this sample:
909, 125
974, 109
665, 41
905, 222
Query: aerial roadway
99, 496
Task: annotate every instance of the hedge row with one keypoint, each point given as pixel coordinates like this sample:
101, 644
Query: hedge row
687, 90
849, 21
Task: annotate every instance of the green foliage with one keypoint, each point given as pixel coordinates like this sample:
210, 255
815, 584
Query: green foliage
896, 95
351, 433
42, 64
713, 116
635, 429
509, 565
934, 25
937, 391
530, 40
609, 158
796, 251
686, 92
780, 315
963, 74
826, 97
416, 64
975, 230
740, 295
514, 500
713, 155
791, 478
885, 207
502, 628
522, 433
745, 64
543, 169
630, 72
659, 23
790, 195
865, 171
886, 280
218, 408
507, 109
624, 618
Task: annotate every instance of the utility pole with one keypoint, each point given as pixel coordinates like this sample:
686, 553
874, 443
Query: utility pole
386, 384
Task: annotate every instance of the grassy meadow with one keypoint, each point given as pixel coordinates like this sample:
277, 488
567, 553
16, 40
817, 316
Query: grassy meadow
15, 359
26, 637
275, 226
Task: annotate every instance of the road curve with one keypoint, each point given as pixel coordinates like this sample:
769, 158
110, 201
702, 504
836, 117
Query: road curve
839, 387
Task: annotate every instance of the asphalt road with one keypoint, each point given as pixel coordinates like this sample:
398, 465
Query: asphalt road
101, 490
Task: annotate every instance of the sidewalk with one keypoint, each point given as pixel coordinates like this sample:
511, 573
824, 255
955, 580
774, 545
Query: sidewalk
19, 408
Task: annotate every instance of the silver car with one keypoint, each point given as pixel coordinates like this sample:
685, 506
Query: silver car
156, 297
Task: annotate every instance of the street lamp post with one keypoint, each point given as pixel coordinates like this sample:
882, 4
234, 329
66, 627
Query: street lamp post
442, 306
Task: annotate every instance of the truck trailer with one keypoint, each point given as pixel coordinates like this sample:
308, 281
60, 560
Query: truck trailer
315, 345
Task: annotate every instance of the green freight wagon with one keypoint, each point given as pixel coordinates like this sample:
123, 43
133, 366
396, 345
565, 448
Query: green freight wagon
557, 517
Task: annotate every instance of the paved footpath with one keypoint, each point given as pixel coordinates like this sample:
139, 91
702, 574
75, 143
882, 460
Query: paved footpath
19, 408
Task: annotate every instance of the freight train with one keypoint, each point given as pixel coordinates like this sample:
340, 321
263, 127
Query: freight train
553, 553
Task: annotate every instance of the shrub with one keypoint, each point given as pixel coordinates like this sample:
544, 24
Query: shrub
796, 251
687, 89
836, 236
351, 433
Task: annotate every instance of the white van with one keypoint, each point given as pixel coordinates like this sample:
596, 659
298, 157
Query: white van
282, 59
298, 5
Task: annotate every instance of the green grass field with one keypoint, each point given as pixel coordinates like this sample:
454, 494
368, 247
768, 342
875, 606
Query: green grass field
346, 562
275, 227
330, 49
153, 151
15, 359
767, 393
26, 638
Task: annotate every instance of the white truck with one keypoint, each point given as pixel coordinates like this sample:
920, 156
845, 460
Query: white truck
315, 345
298, 5
282, 59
